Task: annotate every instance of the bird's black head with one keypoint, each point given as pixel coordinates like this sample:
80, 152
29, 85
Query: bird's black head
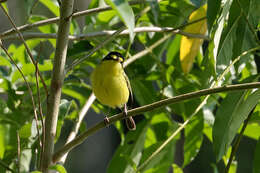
115, 56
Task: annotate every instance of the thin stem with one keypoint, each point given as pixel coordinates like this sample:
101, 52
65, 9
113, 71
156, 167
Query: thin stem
58, 72
26, 47
18, 152
56, 19
32, 35
235, 147
137, 111
41, 115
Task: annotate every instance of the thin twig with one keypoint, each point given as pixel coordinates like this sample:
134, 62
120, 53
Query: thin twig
41, 114
137, 111
33, 35
56, 19
235, 147
58, 72
26, 46
18, 152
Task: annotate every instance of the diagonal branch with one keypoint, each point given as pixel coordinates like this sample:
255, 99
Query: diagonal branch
137, 111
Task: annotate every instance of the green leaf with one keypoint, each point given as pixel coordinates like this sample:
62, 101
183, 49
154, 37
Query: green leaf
213, 10
2, 140
126, 14
237, 37
173, 50
256, 165
193, 139
58, 168
233, 111
64, 108
79, 48
25, 131
129, 153
51, 6
176, 169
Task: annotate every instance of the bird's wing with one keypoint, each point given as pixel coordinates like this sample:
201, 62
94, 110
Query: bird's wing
130, 89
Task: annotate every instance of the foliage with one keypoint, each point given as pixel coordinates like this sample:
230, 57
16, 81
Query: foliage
231, 48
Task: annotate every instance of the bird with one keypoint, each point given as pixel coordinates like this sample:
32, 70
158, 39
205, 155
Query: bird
111, 85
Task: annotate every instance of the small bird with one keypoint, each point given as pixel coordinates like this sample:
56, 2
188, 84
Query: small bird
111, 85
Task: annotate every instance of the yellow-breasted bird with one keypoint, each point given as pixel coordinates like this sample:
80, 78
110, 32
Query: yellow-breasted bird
111, 86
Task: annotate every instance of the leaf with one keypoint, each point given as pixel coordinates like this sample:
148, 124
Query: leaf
176, 169
256, 165
236, 37
79, 48
189, 47
230, 115
25, 131
173, 49
193, 139
51, 6
126, 14
58, 168
129, 154
213, 10
2, 140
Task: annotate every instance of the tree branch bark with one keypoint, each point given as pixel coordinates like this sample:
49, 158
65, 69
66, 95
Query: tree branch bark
56, 82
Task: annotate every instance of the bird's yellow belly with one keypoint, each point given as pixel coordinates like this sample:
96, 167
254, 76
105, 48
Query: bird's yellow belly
111, 90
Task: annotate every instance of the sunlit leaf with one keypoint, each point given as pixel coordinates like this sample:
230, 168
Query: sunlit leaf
51, 6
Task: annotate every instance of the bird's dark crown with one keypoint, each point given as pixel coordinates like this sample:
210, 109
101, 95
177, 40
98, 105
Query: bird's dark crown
115, 56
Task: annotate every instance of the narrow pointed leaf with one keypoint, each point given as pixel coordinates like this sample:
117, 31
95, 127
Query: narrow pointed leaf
230, 115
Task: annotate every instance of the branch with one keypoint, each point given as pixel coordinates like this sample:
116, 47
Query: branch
56, 19
32, 35
137, 111
53, 100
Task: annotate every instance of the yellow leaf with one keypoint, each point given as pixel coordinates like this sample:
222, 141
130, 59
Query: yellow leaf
190, 46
